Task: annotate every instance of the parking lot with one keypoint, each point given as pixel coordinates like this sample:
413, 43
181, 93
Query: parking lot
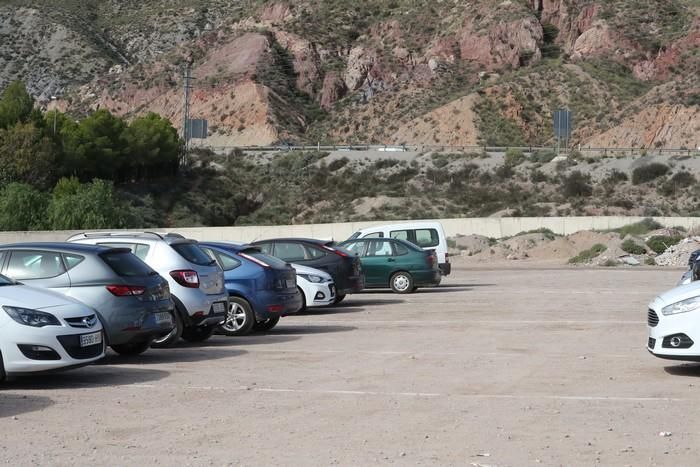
496, 367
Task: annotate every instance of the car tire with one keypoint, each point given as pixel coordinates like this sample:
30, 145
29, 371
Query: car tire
339, 298
239, 319
131, 349
173, 336
267, 324
415, 287
401, 282
198, 333
303, 300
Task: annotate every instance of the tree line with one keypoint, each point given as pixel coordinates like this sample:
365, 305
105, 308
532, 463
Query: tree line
59, 173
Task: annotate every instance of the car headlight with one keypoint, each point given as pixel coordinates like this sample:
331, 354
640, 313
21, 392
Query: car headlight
29, 317
684, 306
312, 278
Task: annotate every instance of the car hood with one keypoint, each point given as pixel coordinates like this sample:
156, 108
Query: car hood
677, 294
33, 297
307, 270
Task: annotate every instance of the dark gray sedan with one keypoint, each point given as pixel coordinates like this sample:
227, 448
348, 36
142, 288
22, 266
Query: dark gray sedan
131, 299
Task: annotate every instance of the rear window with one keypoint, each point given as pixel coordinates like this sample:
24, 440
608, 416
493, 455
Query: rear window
427, 238
271, 260
192, 253
125, 264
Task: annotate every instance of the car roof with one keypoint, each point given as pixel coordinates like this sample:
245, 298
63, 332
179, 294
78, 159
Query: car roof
234, 247
61, 246
402, 225
295, 239
169, 237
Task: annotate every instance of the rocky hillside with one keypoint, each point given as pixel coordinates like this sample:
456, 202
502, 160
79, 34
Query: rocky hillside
381, 71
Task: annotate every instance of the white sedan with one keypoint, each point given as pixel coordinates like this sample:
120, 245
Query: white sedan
41, 330
317, 287
673, 322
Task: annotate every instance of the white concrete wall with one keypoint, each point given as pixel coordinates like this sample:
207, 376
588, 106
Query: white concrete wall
490, 227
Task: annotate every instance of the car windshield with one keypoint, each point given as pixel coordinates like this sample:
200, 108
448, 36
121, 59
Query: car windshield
192, 253
6, 281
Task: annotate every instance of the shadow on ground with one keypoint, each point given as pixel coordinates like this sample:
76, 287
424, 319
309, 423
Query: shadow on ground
294, 330
15, 404
93, 376
184, 352
687, 369
250, 339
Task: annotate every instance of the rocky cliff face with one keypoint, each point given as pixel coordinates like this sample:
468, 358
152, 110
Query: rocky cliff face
406, 71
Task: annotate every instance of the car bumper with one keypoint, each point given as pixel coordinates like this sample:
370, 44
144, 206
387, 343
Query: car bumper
445, 269
427, 278
675, 337
354, 284
270, 304
200, 307
64, 343
141, 325
317, 295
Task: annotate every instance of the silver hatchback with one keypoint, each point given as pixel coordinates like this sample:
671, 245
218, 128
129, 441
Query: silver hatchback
131, 299
196, 281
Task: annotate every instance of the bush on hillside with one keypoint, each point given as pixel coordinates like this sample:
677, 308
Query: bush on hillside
586, 256
633, 248
649, 172
660, 243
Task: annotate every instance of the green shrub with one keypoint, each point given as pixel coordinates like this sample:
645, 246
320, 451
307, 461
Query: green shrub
338, 164
514, 157
615, 176
649, 172
577, 185
650, 261
659, 243
588, 255
543, 156
638, 228
544, 231
631, 247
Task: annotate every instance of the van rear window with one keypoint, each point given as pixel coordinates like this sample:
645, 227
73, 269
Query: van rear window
427, 238
192, 253
125, 264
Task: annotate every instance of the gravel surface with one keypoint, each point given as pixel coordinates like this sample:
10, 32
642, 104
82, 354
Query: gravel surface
500, 367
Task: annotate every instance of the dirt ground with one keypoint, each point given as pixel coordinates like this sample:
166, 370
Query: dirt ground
500, 367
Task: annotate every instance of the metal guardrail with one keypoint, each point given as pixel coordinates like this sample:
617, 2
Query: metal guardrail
431, 148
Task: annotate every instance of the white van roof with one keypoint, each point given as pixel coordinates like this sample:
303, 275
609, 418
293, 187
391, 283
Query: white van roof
404, 225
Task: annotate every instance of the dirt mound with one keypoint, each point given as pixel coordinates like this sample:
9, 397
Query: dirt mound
677, 255
472, 244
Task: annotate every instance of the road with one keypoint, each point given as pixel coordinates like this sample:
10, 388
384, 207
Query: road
511, 367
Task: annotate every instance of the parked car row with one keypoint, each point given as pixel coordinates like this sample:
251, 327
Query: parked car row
64, 303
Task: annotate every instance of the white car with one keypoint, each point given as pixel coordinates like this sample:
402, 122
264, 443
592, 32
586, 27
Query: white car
674, 324
317, 287
42, 330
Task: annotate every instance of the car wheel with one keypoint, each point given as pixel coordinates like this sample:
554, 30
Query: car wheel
339, 298
402, 282
131, 349
239, 319
198, 333
303, 300
267, 324
173, 336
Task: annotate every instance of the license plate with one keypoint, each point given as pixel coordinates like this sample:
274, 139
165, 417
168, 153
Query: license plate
290, 283
219, 307
164, 317
87, 340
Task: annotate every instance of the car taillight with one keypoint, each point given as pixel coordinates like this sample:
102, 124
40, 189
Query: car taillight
186, 278
337, 252
126, 290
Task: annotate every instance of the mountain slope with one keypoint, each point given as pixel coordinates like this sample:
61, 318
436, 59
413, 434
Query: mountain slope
379, 71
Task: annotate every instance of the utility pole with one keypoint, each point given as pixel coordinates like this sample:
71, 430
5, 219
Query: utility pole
186, 114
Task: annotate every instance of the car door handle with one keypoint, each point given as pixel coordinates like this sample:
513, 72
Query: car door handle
391, 260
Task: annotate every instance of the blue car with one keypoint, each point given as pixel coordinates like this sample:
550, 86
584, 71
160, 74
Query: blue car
261, 288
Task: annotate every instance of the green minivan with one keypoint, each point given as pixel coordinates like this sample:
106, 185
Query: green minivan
390, 262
